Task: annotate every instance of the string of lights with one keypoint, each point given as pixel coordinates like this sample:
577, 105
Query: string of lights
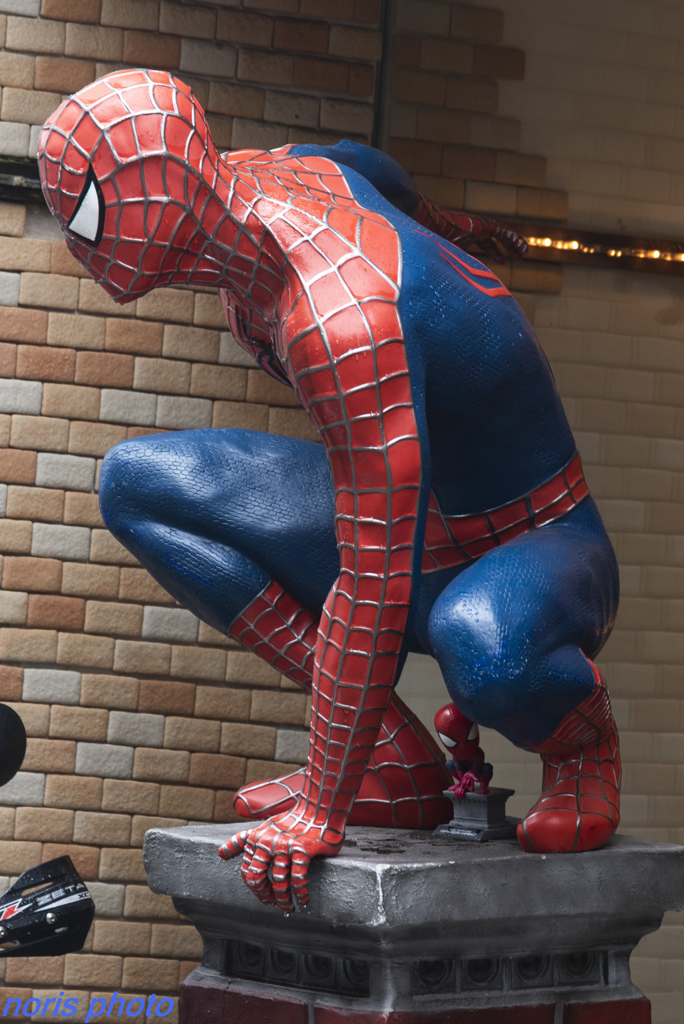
624, 250
565, 245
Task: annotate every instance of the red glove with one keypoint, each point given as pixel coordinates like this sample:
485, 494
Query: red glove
466, 785
464, 228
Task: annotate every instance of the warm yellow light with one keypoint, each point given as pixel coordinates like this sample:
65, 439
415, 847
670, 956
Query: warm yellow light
652, 254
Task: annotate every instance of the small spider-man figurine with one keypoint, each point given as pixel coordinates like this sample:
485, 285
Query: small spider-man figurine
445, 511
461, 737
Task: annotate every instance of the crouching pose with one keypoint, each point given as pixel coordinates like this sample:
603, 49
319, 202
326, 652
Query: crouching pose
445, 512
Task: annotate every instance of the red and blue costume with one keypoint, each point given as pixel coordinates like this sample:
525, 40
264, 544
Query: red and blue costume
444, 513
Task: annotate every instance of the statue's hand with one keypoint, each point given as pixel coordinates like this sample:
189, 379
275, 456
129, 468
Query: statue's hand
285, 846
491, 233
466, 785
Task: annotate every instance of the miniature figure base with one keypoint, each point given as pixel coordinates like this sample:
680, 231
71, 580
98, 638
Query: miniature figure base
404, 927
474, 835
479, 817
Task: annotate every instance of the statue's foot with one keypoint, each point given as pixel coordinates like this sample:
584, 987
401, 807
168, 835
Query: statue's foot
579, 808
403, 786
269, 797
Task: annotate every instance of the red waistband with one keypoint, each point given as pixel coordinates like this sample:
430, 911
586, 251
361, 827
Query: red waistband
455, 540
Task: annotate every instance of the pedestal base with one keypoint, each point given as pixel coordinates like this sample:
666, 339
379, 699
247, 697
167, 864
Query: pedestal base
206, 999
407, 928
479, 817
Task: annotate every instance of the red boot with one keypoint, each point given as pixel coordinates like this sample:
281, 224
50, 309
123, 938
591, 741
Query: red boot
579, 808
403, 786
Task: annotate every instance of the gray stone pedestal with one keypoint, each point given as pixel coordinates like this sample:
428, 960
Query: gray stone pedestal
408, 928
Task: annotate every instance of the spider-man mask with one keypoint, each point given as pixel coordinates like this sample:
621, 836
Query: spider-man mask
130, 171
459, 734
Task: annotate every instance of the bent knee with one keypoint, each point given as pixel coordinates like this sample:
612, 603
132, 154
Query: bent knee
485, 663
121, 496
143, 476
165, 478
504, 672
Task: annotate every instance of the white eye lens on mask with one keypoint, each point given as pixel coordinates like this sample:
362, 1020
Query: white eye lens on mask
447, 740
88, 219
474, 733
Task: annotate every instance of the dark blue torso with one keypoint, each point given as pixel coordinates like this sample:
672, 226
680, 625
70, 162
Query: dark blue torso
492, 423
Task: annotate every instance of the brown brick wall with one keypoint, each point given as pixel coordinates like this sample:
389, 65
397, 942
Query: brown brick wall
137, 714
297, 71
599, 111
444, 125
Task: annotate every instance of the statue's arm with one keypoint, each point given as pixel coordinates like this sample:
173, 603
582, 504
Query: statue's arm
250, 330
362, 404
464, 228
354, 383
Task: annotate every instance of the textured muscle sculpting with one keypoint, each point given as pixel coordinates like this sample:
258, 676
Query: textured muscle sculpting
445, 511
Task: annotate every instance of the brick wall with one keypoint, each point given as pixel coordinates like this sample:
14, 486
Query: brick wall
442, 122
600, 106
137, 713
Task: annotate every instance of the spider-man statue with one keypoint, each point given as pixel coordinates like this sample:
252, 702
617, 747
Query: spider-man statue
461, 737
445, 512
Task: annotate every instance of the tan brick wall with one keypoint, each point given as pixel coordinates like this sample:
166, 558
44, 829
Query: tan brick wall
601, 103
273, 72
600, 108
137, 714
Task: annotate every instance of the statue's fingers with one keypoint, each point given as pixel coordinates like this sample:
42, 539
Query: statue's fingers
281, 882
250, 846
489, 246
255, 875
234, 846
516, 245
261, 886
244, 869
300, 876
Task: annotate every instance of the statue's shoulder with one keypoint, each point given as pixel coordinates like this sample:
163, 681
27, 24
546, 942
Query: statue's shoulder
281, 173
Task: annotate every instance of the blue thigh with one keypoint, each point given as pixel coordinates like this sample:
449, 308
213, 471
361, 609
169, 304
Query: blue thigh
214, 515
511, 631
